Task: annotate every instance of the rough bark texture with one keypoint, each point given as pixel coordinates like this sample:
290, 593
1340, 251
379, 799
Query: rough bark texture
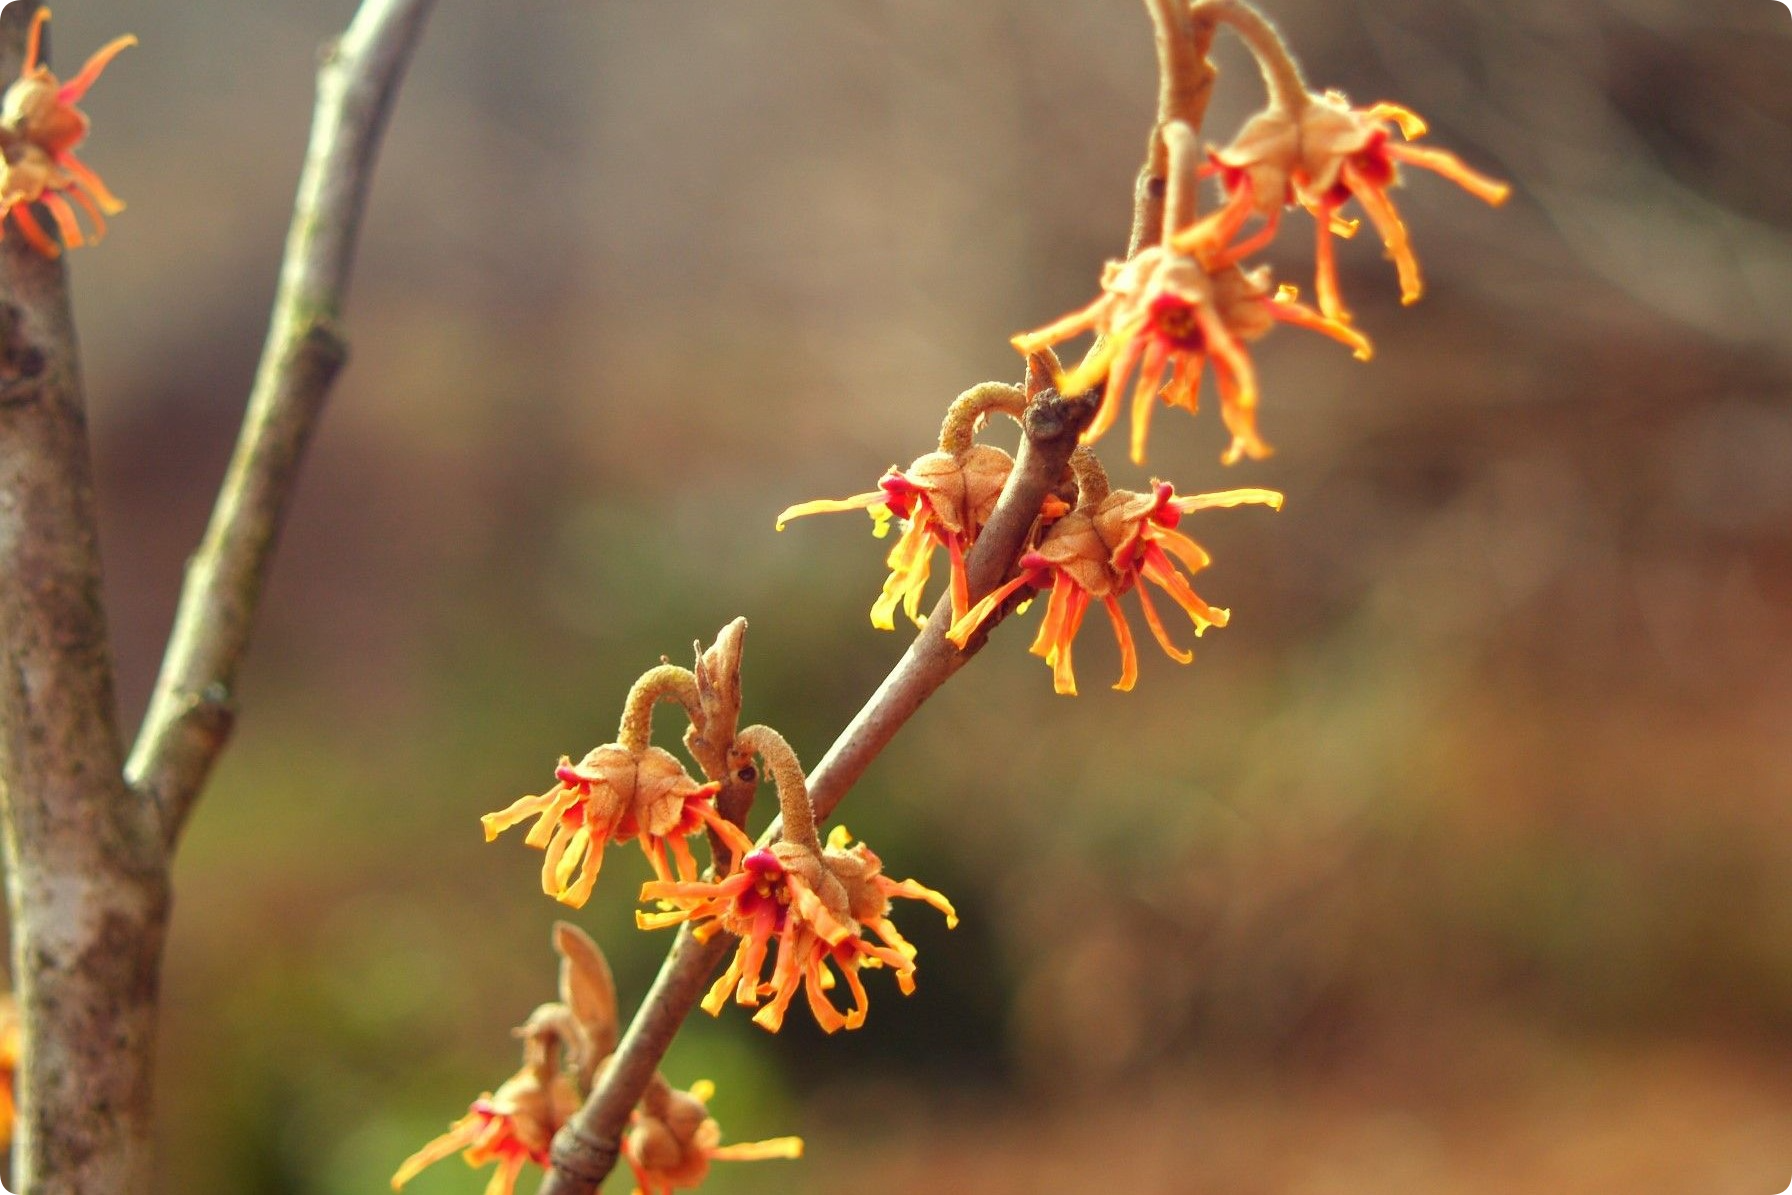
87, 855
87, 883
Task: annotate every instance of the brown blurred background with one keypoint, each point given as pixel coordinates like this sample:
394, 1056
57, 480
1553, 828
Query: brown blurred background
1462, 862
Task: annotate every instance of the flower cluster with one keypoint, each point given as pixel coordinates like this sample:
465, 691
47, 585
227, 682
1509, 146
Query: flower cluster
1187, 297
943, 500
621, 791
40, 126
819, 913
566, 1045
816, 904
513, 1127
614, 794
1099, 551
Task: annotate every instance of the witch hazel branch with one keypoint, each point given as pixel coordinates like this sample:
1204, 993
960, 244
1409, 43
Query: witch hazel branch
794, 911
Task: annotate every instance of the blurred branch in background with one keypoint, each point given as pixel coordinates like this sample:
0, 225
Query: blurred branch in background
191, 711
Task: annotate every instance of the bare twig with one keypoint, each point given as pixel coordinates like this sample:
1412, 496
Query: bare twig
585, 1150
191, 711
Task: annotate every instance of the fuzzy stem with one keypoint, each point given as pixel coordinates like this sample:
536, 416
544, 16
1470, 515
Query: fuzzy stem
193, 707
585, 1150
1091, 478
1281, 73
969, 409
793, 790
662, 682
1185, 83
1182, 177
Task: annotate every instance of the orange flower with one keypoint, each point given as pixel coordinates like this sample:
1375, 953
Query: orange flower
672, 1140
39, 129
943, 499
816, 904
1101, 550
513, 1127
9, 1065
1318, 151
1173, 309
613, 795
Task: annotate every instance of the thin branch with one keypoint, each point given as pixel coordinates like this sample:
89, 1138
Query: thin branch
192, 710
1185, 83
585, 1150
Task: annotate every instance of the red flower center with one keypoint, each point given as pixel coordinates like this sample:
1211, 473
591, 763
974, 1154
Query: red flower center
900, 494
1372, 164
1175, 321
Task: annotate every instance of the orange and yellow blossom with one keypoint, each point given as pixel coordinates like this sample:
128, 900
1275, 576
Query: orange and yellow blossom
614, 794
1168, 310
1172, 306
1101, 550
1319, 152
672, 1139
816, 904
513, 1127
9, 1065
39, 130
944, 499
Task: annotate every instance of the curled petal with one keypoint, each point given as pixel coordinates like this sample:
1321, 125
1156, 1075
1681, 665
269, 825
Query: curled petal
1157, 629
459, 1136
1393, 233
1302, 316
914, 890
1189, 503
1076, 323
759, 1151
830, 506
1129, 656
1442, 161
75, 88
1410, 122
961, 631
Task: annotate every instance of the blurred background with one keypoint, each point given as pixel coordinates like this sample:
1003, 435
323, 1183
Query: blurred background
1461, 862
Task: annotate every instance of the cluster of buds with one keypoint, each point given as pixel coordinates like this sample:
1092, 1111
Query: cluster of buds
672, 1139
40, 126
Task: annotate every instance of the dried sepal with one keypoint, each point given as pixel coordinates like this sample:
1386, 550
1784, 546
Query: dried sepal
717, 673
587, 988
